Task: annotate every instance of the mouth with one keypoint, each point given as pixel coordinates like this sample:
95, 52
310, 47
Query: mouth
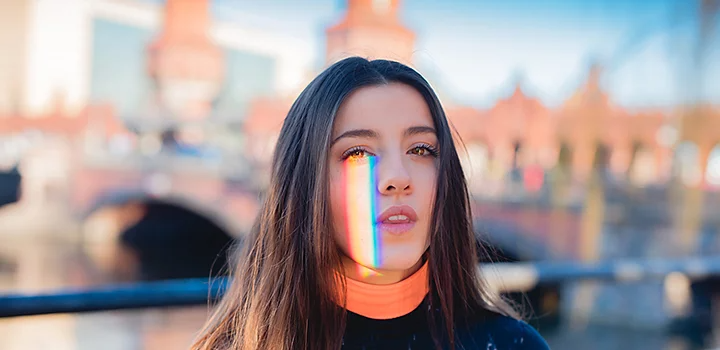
397, 219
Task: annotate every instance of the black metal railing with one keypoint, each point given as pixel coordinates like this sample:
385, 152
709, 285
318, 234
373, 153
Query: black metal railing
508, 277
114, 297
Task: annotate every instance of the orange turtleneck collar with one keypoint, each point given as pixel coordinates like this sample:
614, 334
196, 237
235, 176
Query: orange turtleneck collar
390, 300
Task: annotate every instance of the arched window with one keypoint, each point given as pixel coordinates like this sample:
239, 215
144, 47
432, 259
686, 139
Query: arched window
517, 157
686, 163
476, 164
643, 166
601, 160
479, 156
712, 173
564, 156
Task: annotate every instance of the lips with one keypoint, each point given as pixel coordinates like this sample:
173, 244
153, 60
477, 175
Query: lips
397, 219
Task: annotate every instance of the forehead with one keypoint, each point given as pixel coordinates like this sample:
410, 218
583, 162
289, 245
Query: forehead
383, 107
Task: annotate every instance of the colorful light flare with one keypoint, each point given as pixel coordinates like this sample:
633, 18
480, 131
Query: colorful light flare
361, 213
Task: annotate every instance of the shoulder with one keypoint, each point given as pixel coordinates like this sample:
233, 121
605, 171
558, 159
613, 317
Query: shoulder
503, 332
518, 332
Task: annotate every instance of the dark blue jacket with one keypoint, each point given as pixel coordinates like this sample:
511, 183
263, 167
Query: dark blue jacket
412, 332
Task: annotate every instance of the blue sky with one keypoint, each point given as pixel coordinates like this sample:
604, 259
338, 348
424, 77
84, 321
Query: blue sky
475, 49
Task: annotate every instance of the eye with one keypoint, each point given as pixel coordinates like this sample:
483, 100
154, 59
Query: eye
424, 150
356, 153
419, 151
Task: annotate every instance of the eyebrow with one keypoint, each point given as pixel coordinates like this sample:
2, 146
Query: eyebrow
367, 133
417, 130
372, 134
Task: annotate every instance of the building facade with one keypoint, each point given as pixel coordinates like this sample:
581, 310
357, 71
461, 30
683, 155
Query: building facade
587, 132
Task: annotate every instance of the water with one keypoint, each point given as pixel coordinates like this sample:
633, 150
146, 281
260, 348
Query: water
41, 265
35, 260
121, 330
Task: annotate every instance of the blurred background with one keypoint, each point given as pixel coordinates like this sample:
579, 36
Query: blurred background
135, 139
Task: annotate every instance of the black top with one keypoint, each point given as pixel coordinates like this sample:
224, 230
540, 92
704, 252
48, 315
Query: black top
412, 332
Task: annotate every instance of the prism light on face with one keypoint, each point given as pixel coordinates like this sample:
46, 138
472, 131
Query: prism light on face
361, 205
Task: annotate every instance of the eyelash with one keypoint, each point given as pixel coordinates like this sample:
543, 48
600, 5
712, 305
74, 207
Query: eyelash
347, 154
432, 150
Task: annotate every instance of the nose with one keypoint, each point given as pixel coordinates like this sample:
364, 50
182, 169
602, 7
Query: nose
393, 177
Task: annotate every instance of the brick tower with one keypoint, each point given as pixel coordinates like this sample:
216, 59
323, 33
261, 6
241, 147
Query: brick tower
372, 29
186, 67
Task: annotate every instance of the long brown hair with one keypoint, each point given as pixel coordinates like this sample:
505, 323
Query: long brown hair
284, 290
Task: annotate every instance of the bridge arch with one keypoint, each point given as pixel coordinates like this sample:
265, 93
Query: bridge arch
125, 197
134, 235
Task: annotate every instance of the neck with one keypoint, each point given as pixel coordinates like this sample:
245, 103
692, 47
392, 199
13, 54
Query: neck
357, 272
387, 300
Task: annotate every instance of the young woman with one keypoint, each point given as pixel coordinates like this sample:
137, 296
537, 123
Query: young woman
365, 239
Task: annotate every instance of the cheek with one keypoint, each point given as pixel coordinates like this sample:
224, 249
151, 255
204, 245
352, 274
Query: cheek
337, 207
426, 186
426, 180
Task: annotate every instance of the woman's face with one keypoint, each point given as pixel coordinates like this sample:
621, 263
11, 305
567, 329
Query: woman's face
383, 170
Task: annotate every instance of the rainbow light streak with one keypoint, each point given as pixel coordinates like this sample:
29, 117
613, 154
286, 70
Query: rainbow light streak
361, 205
